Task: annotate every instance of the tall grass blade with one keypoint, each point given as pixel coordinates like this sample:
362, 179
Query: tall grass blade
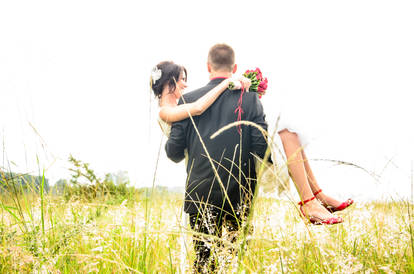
7, 208
42, 203
410, 216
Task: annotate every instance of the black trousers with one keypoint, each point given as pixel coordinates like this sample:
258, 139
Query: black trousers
208, 236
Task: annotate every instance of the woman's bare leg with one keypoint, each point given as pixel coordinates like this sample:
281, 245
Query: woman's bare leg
297, 171
325, 199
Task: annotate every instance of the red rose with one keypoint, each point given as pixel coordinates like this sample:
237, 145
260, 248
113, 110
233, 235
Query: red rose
262, 86
259, 72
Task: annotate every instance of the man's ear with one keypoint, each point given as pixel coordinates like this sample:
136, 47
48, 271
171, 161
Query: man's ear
234, 68
209, 67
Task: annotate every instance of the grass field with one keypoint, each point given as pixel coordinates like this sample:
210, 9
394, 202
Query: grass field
46, 234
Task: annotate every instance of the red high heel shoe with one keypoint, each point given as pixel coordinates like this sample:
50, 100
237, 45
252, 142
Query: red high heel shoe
342, 206
316, 220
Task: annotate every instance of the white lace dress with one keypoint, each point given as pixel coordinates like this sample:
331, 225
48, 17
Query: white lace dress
283, 117
183, 226
165, 127
291, 117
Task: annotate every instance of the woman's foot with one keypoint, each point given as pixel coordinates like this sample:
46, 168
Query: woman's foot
330, 203
317, 214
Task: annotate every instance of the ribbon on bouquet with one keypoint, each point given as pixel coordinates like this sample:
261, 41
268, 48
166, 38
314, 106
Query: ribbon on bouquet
239, 109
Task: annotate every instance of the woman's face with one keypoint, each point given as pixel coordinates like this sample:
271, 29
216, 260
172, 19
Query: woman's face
181, 85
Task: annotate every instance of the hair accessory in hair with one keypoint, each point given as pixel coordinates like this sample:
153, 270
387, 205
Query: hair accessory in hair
155, 74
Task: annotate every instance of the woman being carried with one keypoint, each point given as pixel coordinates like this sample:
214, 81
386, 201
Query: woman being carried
168, 80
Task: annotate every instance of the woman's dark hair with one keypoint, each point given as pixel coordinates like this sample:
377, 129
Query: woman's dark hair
170, 75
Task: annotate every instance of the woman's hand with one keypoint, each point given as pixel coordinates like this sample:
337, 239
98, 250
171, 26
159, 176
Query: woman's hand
240, 82
246, 83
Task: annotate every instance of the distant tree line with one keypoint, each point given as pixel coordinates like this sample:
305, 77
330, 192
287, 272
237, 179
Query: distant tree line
83, 184
18, 183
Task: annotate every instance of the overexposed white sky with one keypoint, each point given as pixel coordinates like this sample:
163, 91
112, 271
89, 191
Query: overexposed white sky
74, 80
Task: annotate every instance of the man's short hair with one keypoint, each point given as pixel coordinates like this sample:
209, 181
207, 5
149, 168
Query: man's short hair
221, 57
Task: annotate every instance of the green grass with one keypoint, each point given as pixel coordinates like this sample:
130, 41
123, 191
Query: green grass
75, 236
108, 228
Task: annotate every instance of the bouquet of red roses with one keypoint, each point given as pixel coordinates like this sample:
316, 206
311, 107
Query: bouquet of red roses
259, 83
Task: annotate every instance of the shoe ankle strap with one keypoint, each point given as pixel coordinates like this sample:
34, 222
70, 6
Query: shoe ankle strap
308, 200
317, 192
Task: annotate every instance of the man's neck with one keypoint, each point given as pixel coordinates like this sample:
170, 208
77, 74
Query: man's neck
219, 74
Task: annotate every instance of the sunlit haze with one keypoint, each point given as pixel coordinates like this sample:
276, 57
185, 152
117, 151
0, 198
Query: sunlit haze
74, 79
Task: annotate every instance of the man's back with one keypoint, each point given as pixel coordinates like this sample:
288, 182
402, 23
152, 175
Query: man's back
230, 151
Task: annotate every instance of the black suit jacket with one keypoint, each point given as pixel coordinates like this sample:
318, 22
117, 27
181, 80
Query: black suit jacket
231, 152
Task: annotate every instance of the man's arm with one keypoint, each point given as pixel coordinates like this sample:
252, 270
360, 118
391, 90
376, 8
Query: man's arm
176, 143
